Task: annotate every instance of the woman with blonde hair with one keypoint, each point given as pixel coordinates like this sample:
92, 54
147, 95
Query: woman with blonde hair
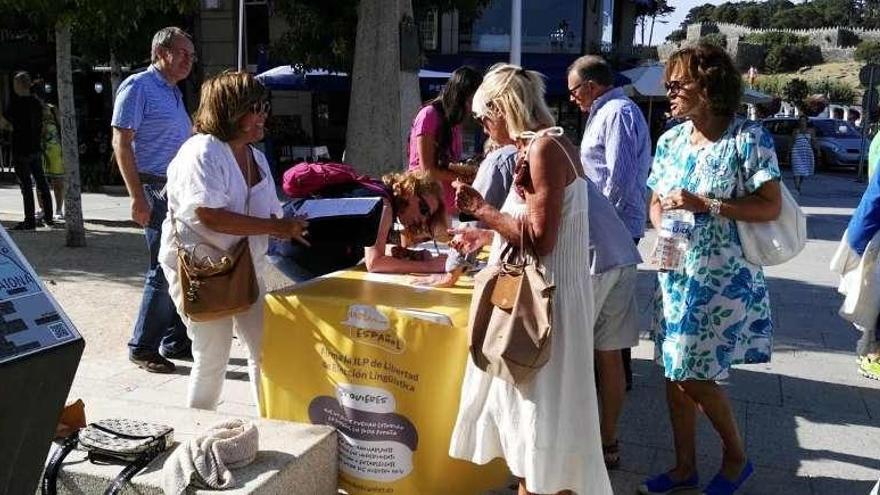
220, 191
547, 429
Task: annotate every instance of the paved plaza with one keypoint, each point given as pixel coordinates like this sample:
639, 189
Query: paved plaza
811, 422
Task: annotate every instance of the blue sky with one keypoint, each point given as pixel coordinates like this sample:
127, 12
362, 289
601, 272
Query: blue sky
682, 7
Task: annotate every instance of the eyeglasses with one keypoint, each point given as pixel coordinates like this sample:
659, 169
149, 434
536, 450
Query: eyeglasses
424, 209
262, 107
675, 86
572, 92
183, 53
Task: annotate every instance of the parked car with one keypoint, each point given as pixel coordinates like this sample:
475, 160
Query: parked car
838, 140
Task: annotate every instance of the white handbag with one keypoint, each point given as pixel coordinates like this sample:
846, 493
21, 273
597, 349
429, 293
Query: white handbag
776, 241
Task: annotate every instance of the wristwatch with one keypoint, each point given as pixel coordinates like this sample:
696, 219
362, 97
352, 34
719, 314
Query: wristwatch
715, 207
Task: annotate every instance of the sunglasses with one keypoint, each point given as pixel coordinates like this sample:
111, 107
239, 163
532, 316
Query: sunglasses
424, 209
262, 106
675, 86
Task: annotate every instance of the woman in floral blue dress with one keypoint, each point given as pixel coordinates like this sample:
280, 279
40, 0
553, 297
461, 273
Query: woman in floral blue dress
715, 311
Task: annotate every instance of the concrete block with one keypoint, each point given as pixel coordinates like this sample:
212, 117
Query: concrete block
294, 458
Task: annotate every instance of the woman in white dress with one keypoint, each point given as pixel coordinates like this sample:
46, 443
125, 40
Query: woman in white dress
548, 429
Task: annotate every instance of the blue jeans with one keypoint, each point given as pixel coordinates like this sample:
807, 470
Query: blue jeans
158, 322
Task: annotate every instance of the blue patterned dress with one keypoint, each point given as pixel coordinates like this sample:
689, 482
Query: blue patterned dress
716, 311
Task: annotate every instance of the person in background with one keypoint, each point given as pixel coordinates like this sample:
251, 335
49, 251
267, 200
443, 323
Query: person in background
861, 230
804, 149
150, 123
25, 116
548, 429
493, 181
874, 155
714, 312
615, 149
435, 140
219, 191
53, 163
414, 199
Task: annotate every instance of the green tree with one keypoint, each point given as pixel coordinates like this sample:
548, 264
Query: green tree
647, 15
868, 52
64, 16
796, 92
321, 33
700, 13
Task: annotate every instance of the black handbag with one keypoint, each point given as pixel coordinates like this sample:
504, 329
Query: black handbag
127, 442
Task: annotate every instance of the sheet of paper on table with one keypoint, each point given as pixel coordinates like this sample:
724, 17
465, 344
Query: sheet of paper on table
316, 208
430, 316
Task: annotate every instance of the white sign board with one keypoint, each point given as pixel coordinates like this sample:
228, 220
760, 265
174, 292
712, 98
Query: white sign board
30, 318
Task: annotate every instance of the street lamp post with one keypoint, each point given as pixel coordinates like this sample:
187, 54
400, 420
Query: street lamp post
516, 32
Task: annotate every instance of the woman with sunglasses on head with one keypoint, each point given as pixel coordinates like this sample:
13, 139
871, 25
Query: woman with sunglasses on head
220, 191
413, 199
435, 140
714, 311
547, 430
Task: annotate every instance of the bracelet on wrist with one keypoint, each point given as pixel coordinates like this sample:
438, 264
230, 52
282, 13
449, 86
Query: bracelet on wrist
715, 207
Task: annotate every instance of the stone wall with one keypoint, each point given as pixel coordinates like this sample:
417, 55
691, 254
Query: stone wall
831, 41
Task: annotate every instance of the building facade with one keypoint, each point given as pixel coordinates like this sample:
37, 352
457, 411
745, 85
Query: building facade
554, 33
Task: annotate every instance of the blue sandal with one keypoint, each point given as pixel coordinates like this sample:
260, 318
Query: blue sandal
663, 484
723, 486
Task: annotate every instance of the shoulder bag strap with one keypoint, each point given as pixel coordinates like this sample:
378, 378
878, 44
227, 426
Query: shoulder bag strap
50, 475
129, 471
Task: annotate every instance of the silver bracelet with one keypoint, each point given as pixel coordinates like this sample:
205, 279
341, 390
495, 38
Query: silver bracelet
715, 207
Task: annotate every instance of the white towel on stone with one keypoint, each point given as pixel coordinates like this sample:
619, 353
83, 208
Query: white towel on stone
204, 462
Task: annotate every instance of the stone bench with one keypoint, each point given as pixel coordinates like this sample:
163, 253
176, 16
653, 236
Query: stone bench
294, 458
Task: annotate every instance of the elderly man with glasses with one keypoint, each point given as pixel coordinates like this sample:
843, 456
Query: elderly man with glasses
616, 155
150, 123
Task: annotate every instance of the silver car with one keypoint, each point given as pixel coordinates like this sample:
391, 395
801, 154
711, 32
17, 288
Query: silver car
838, 140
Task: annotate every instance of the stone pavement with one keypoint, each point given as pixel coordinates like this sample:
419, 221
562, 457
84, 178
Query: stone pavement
811, 423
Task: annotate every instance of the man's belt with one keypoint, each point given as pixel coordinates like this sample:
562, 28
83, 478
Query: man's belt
152, 179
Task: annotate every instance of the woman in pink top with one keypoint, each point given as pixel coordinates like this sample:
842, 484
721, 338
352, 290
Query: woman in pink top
435, 136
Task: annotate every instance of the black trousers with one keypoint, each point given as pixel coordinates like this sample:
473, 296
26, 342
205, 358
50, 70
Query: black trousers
27, 166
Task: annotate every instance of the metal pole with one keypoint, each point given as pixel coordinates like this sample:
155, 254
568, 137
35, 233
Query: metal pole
241, 25
866, 113
516, 32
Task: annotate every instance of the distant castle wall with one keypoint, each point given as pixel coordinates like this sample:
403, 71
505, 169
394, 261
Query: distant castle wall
837, 44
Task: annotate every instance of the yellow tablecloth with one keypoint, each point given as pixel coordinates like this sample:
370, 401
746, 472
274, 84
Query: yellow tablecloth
383, 362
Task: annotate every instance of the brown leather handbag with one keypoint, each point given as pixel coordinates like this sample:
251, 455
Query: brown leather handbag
511, 317
214, 289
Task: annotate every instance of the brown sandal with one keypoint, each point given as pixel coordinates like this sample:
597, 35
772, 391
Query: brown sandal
611, 453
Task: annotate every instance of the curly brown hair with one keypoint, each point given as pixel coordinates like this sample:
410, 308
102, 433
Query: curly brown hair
711, 68
225, 99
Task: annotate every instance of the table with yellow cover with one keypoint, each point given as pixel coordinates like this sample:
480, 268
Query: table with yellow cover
382, 361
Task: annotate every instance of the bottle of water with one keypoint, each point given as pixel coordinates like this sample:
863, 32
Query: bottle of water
673, 240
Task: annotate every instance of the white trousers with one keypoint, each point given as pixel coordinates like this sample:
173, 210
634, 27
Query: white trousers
211, 343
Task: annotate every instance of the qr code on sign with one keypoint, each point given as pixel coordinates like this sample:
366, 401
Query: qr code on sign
59, 330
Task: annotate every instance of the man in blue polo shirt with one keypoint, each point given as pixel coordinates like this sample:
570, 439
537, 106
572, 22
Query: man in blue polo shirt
150, 123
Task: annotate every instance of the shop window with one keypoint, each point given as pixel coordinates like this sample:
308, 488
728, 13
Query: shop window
257, 31
489, 31
429, 30
552, 26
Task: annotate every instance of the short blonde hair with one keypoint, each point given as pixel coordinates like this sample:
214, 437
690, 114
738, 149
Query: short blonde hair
516, 95
225, 99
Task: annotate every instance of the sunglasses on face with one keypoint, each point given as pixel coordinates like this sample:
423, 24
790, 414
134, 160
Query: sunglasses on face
262, 106
424, 209
675, 86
